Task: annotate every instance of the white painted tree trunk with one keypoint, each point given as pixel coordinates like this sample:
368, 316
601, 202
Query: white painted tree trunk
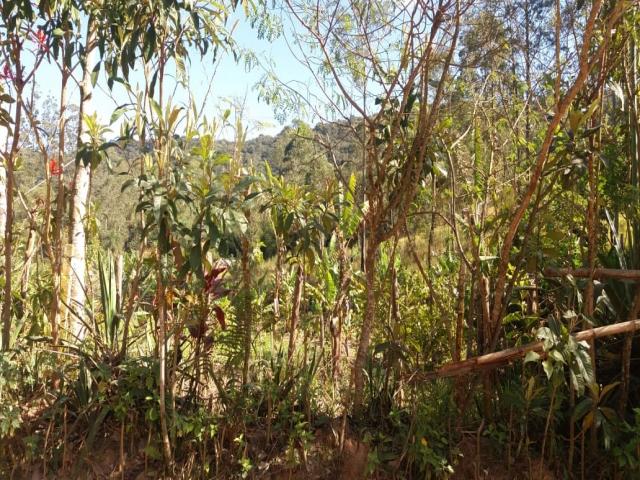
77, 293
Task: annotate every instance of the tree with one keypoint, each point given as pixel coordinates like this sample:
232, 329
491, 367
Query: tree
390, 65
19, 24
77, 289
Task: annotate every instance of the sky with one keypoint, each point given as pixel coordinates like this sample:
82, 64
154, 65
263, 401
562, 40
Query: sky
231, 81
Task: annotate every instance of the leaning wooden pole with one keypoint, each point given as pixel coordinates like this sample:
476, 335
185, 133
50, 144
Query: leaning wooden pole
503, 357
598, 273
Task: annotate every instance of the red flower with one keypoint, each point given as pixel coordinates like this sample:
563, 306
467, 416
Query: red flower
41, 39
54, 168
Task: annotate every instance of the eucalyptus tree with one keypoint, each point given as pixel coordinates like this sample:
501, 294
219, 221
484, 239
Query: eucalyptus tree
81, 180
390, 64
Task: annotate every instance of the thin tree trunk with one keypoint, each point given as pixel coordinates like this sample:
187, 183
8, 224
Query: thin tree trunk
488, 328
247, 313
340, 308
626, 355
592, 252
459, 331
58, 245
81, 184
459, 386
162, 359
432, 226
367, 324
278, 281
29, 253
3, 199
487, 325
8, 233
295, 312
586, 65
3, 215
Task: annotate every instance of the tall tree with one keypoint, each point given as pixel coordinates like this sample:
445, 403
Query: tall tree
390, 64
77, 289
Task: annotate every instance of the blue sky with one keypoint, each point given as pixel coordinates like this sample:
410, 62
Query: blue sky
231, 81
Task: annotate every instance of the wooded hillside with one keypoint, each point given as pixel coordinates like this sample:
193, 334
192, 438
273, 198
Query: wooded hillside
435, 275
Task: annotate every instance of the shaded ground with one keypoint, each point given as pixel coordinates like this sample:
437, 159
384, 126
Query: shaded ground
320, 460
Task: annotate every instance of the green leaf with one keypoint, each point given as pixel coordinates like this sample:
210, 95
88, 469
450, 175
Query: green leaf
607, 389
149, 44
117, 113
581, 409
94, 74
531, 357
173, 116
156, 107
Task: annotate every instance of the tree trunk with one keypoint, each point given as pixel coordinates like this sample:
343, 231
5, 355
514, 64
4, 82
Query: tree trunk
367, 324
8, 233
29, 253
3, 199
278, 282
58, 248
3, 215
247, 304
295, 312
81, 182
459, 327
340, 309
162, 359
586, 62
626, 355
432, 225
592, 252
506, 357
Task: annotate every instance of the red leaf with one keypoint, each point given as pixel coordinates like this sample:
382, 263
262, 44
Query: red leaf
6, 72
220, 316
213, 281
